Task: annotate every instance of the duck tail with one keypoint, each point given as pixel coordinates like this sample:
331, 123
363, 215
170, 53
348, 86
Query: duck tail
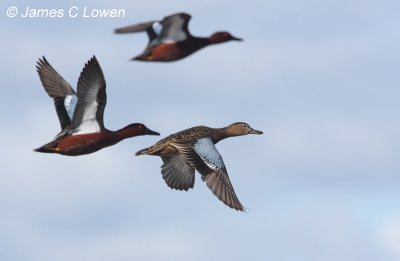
142, 152
48, 148
45, 150
140, 58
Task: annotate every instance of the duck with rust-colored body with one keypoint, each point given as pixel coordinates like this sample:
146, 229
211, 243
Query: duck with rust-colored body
170, 39
81, 114
194, 149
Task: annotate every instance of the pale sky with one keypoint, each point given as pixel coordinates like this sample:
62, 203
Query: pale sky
319, 78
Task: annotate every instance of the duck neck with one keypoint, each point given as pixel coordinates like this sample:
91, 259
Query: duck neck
195, 43
201, 41
220, 134
127, 132
188, 47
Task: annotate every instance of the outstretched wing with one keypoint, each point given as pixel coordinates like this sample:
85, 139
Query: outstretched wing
175, 28
153, 29
59, 89
203, 156
92, 99
218, 182
177, 173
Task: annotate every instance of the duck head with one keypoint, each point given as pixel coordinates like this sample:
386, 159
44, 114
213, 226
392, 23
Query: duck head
241, 128
221, 37
136, 129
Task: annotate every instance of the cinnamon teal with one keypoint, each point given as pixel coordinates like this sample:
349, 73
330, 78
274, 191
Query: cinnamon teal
170, 39
82, 126
194, 149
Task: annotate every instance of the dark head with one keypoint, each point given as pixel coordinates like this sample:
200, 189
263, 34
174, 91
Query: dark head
136, 129
221, 37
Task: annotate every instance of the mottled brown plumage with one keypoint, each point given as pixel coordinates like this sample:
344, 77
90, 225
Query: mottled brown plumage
193, 149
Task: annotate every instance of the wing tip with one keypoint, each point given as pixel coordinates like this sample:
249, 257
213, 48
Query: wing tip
93, 59
42, 61
228, 197
92, 71
240, 208
180, 14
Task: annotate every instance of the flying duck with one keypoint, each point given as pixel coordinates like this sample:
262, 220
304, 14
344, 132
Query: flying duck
170, 39
194, 149
81, 113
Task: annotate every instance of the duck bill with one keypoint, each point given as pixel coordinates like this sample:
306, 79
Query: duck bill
255, 132
150, 132
237, 38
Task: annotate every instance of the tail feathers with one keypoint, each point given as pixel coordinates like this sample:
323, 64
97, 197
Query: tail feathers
48, 148
145, 56
142, 152
140, 58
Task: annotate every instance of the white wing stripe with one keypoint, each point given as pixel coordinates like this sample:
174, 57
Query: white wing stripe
70, 103
175, 32
89, 123
157, 27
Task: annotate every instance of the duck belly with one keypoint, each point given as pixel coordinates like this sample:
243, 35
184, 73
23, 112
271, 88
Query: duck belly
76, 145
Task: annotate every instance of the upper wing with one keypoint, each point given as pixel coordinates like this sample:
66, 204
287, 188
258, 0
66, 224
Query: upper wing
59, 89
204, 157
152, 28
92, 98
175, 28
177, 173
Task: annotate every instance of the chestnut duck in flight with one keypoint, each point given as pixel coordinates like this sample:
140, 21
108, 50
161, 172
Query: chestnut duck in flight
81, 113
170, 39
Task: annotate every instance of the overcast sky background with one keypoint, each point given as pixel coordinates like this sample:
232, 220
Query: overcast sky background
320, 78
